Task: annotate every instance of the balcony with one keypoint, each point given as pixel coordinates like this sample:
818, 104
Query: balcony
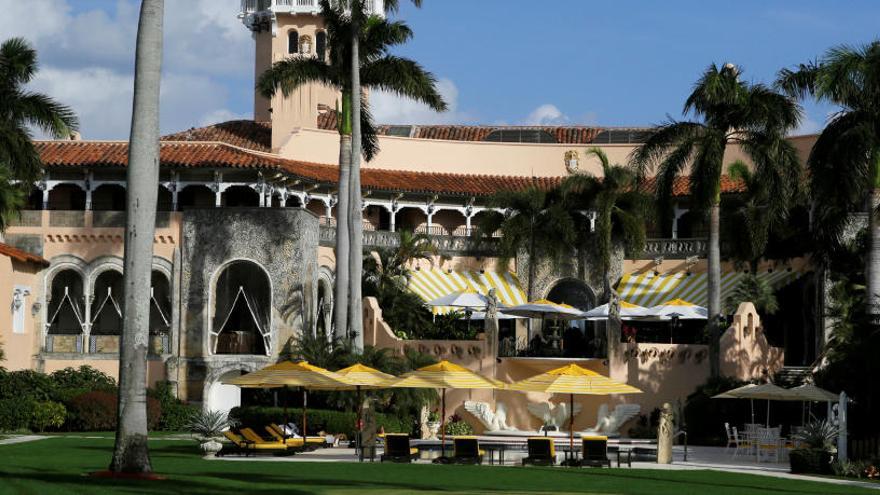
270, 7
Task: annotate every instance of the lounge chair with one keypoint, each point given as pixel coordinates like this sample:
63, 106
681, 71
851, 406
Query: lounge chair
467, 450
542, 452
292, 442
595, 451
241, 445
307, 442
397, 449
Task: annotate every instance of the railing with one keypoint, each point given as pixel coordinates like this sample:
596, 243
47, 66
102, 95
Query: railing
676, 248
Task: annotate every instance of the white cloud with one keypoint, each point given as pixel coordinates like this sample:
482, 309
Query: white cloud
546, 114
389, 108
87, 59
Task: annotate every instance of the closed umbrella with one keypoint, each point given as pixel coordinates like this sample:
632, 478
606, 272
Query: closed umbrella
573, 380
291, 374
444, 375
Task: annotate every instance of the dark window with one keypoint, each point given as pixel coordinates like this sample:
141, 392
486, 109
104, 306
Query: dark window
321, 45
292, 41
520, 136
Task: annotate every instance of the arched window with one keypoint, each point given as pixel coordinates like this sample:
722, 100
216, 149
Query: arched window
292, 42
242, 310
66, 313
321, 45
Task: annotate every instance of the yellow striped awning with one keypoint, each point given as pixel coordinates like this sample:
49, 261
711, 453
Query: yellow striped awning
435, 283
647, 289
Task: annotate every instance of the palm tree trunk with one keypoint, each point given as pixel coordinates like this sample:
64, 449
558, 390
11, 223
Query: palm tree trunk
714, 286
340, 308
131, 454
355, 213
873, 259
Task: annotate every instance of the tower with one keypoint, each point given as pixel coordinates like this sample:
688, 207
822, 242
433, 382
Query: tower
281, 29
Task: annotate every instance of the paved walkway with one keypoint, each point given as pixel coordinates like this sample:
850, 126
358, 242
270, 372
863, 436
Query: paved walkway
22, 439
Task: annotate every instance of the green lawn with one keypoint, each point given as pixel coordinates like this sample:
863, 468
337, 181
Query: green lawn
58, 465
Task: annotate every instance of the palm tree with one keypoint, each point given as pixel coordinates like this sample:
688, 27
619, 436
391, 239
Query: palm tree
727, 111
130, 453
20, 112
387, 268
620, 209
844, 163
533, 220
379, 70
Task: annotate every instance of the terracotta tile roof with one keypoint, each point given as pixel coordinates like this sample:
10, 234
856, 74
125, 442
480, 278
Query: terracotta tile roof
682, 185
96, 154
248, 134
327, 120
22, 256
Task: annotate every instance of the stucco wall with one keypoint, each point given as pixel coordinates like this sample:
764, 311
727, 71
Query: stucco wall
19, 348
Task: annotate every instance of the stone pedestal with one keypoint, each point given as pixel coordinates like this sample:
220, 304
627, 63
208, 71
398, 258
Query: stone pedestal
665, 434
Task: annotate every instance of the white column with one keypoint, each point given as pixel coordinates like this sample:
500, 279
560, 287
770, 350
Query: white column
393, 211
88, 185
677, 213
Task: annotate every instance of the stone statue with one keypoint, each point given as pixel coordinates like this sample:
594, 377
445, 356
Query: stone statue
665, 435
553, 416
490, 324
424, 430
614, 304
609, 423
493, 421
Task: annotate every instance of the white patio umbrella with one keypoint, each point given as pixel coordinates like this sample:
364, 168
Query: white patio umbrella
810, 393
467, 298
677, 308
627, 311
765, 391
543, 309
481, 315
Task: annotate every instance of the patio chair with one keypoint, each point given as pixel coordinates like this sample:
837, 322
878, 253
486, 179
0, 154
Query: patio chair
307, 442
276, 434
542, 452
743, 443
731, 440
398, 449
467, 450
767, 444
595, 451
240, 445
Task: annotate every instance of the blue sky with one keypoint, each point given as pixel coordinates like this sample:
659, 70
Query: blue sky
512, 62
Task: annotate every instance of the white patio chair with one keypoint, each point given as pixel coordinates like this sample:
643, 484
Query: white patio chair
767, 444
731, 441
742, 443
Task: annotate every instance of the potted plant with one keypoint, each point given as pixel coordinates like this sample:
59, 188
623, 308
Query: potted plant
207, 428
817, 448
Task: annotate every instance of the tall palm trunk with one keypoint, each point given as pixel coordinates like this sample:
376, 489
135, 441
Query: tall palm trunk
340, 310
131, 453
714, 286
355, 213
872, 270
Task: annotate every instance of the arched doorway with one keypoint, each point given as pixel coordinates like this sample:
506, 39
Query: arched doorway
579, 336
65, 319
242, 310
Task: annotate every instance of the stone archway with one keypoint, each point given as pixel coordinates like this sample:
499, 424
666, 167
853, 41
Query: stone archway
579, 337
218, 396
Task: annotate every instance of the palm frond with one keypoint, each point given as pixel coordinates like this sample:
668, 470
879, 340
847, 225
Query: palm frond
403, 77
293, 72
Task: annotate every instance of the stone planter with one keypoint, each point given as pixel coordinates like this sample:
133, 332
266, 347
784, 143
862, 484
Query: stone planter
434, 429
210, 446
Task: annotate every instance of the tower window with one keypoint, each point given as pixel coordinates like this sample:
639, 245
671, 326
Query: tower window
292, 42
321, 45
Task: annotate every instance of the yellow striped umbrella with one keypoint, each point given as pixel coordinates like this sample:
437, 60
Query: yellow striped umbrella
445, 375
573, 379
290, 374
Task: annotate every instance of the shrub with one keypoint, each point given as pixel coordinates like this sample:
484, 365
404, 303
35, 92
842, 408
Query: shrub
30, 384
818, 435
47, 414
459, 428
84, 377
176, 414
96, 411
16, 414
816, 461
853, 469
334, 422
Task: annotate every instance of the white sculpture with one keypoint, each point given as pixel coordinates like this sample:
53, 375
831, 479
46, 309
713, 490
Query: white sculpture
608, 424
553, 416
493, 421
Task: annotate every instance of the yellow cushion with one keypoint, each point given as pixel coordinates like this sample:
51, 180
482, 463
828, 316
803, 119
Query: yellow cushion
413, 451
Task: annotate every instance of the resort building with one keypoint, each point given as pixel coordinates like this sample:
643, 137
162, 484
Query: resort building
244, 246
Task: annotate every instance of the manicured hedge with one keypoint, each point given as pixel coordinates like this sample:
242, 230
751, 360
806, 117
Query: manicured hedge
96, 411
807, 461
334, 422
